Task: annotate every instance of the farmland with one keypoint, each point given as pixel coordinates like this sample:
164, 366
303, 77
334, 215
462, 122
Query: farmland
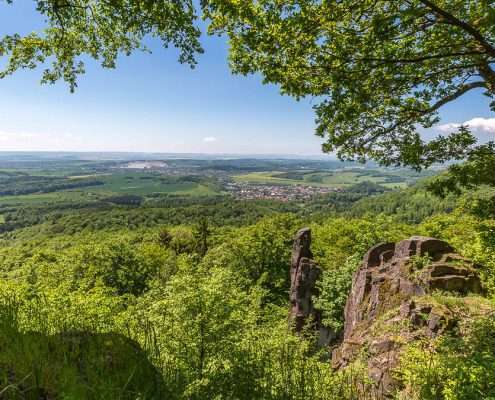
79, 179
338, 179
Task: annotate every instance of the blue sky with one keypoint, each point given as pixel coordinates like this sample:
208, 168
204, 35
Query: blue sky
151, 103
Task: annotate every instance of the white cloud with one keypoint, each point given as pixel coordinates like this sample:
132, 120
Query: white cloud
477, 125
209, 139
482, 124
447, 128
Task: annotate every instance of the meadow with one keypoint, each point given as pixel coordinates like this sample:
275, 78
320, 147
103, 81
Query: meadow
339, 178
142, 183
104, 185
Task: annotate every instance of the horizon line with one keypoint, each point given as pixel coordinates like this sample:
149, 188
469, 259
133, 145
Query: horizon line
274, 155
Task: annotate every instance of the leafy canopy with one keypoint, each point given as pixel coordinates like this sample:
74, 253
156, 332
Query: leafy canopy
380, 68
100, 29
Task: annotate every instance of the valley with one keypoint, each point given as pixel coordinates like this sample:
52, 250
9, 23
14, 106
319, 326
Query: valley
187, 261
79, 179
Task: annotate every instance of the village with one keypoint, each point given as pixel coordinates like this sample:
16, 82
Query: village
286, 193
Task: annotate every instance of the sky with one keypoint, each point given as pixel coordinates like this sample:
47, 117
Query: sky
152, 103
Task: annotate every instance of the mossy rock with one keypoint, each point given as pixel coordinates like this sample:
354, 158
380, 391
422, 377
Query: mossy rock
75, 365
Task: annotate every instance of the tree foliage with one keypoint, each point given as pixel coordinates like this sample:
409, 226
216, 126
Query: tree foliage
476, 171
101, 30
334, 288
452, 368
213, 326
379, 68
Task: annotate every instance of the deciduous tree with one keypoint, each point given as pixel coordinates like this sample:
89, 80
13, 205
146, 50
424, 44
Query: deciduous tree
100, 29
379, 69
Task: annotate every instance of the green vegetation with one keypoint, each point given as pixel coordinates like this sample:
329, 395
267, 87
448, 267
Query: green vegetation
186, 297
154, 284
149, 183
334, 288
101, 31
338, 179
199, 321
454, 366
34, 188
411, 205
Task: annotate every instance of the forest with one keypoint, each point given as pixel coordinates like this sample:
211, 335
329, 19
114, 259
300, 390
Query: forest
187, 296
366, 272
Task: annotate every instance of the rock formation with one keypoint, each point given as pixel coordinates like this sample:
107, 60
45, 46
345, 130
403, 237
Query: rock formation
304, 274
385, 310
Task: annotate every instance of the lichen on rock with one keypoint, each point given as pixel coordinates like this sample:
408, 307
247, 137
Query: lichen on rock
389, 304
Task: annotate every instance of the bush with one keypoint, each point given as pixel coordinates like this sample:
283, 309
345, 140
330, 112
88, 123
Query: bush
457, 367
334, 288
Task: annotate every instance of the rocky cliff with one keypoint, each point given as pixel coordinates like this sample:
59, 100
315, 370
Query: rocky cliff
385, 310
390, 303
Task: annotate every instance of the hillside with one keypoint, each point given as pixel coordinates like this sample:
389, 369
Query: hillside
197, 292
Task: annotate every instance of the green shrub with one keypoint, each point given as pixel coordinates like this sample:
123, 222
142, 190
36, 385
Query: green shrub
334, 288
452, 367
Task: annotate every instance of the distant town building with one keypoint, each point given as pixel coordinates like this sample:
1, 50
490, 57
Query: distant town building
250, 191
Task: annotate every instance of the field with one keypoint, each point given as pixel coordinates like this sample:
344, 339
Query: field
38, 181
100, 186
36, 198
142, 184
339, 179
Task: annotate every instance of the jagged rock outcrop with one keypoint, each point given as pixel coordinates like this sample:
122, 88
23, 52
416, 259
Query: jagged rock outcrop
304, 274
384, 311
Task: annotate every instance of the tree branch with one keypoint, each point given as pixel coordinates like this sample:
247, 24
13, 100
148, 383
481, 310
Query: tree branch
447, 99
461, 24
488, 74
462, 90
423, 58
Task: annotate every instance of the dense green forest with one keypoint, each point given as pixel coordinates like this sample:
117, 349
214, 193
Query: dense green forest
186, 297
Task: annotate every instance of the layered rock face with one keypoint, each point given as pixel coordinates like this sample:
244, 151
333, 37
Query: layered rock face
304, 274
384, 310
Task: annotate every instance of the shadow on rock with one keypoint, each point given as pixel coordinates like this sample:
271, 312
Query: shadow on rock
75, 365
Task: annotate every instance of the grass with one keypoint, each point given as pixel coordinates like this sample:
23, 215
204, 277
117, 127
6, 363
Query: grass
39, 198
86, 176
395, 185
142, 184
129, 183
336, 179
72, 364
100, 192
